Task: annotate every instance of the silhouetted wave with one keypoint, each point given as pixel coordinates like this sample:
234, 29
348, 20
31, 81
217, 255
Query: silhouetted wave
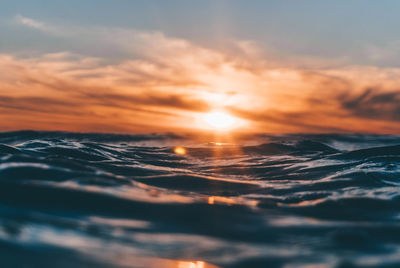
105, 200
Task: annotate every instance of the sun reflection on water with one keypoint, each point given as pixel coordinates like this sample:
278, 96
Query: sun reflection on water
180, 150
211, 200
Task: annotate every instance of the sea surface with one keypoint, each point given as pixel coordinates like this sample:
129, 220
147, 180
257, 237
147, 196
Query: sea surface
166, 200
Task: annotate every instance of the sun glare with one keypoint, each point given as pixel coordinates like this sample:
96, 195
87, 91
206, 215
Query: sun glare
220, 121
180, 150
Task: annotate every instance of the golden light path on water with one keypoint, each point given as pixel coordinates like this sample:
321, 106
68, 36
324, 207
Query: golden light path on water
220, 123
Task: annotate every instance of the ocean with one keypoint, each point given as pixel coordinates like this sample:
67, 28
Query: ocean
167, 200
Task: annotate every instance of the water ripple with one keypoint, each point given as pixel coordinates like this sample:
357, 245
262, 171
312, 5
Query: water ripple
102, 200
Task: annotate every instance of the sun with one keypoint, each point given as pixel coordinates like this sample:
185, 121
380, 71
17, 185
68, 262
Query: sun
220, 121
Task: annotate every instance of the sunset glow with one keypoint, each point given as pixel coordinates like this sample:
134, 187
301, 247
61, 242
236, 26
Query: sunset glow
196, 264
143, 81
220, 121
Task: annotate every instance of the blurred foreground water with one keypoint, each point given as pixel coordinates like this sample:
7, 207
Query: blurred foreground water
98, 200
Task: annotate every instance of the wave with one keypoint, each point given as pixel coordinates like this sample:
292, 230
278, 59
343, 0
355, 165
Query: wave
107, 200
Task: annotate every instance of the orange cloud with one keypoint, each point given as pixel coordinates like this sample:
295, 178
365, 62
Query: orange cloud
174, 81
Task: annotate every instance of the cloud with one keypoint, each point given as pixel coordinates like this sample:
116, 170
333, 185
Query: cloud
62, 88
374, 104
386, 54
31, 22
165, 83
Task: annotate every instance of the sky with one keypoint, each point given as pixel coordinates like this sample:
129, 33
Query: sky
139, 66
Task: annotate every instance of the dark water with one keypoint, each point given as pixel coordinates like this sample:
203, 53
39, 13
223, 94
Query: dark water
95, 200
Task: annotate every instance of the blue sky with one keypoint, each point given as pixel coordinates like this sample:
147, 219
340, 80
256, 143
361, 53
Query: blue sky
328, 29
